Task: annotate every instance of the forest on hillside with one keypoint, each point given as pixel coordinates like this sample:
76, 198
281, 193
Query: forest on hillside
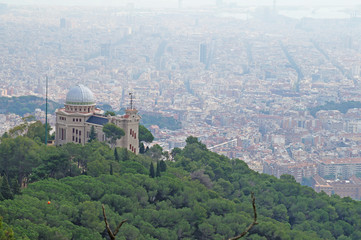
343, 107
25, 104
190, 193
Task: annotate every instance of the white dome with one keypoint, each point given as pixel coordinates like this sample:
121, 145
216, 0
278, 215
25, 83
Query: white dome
80, 95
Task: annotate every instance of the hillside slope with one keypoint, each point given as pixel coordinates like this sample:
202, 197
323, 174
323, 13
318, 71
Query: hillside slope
201, 195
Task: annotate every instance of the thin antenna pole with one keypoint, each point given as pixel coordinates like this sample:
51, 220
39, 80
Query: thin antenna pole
46, 112
131, 100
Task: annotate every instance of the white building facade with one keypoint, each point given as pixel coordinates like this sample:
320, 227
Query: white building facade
75, 120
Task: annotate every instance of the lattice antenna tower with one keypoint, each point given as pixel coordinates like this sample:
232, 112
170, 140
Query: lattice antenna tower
131, 100
46, 111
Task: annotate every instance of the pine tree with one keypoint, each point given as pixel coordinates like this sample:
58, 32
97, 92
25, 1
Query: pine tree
163, 166
15, 186
151, 171
92, 135
116, 156
157, 174
141, 148
5, 188
125, 155
111, 169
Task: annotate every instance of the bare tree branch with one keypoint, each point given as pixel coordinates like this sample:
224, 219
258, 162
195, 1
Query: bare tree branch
252, 224
110, 232
119, 226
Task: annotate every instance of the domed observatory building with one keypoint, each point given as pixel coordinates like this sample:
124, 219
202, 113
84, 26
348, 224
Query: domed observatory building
75, 120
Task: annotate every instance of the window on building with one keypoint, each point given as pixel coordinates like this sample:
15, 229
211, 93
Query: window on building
73, 138
79, 133
79, 140
87, 134
73, 130
73, 119
76, 131
80, 120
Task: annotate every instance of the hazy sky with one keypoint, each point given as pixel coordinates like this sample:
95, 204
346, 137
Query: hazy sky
186, 3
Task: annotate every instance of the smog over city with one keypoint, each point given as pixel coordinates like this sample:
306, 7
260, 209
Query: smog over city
273, 83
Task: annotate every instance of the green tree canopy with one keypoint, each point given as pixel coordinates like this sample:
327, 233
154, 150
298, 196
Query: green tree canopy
151, 170
5, 232
5, 188
145, 135
92, 135
36, 130
111, 113
113, 132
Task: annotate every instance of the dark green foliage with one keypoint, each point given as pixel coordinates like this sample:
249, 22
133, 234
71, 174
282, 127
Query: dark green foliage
92, 135
145, 135
116, 156
5, 232
155, 152
151, 170
111, 113
113, 132
5, 135
124, 154
105, 107
15, 186
111, 169
343, 107
157, 173
191, 140
201, 195
18, 157
36, 131
5, 190
175, 151
26, 104
141, 148
162, 121
162, 166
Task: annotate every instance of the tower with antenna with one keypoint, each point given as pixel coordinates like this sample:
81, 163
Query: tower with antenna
131, 100
75, 121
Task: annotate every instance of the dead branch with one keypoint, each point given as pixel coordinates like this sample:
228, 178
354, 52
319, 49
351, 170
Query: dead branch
252, 224
110, 232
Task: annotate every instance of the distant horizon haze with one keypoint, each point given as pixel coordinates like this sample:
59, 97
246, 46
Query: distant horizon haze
185, 3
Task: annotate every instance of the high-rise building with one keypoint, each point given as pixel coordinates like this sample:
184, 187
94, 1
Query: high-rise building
75, 121
62, 23
203, 53
105, 50
180, 3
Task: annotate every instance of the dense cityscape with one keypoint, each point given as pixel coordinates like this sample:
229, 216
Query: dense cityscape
244, 81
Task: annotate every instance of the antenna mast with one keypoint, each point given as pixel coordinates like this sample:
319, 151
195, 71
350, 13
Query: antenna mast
131, 100
46, 111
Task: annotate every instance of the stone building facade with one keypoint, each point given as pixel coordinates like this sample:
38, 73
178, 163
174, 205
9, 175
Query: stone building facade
75, 120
